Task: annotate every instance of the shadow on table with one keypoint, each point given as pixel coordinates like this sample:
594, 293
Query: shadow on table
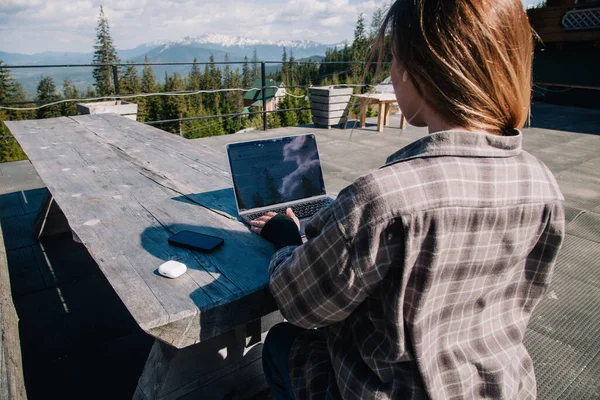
231, 320
222, 200
222, 303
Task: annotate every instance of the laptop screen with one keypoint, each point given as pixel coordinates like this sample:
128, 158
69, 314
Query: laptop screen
273, 171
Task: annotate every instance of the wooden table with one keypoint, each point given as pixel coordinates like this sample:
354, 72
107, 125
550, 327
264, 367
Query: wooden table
383, 101
125, 188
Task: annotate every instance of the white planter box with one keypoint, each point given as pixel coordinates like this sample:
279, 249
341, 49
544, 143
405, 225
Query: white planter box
329, 106
128, 110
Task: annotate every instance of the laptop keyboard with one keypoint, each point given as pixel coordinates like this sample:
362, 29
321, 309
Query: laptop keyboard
301, 210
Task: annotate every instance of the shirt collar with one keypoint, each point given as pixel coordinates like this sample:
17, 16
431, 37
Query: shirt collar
458, 143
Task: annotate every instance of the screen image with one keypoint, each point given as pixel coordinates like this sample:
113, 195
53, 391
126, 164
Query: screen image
268, 172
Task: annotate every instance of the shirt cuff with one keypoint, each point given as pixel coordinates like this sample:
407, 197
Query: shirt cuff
279, 257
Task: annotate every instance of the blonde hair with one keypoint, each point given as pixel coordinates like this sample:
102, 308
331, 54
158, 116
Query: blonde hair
469, 59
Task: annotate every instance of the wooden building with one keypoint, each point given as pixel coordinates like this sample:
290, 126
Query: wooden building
564, 21
274, 90
566, 65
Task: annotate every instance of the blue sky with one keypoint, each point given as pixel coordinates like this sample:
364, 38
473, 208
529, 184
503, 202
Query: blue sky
33, 26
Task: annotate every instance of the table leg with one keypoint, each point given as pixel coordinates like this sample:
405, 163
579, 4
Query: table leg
363, 113
50, 219
380, 117
402, 122
386, 121
226, 366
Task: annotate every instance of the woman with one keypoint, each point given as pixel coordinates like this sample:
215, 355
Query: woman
422, 276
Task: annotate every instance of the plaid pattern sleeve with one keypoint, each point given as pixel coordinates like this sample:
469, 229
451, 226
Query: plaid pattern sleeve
422, 275
319, 283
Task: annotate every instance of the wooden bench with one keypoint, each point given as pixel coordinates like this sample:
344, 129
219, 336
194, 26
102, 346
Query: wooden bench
124, 188
12, 385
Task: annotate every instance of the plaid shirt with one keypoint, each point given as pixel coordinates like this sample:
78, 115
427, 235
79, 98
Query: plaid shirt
422, 276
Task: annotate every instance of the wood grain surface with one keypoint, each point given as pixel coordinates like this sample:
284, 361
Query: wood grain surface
125, 188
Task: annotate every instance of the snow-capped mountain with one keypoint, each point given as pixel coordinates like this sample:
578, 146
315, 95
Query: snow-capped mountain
238, 41
219, 46
184, 50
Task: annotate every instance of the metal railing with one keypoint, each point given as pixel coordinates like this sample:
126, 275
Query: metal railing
264, 86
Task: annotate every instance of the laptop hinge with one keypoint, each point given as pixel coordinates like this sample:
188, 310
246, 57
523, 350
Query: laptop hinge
282, 205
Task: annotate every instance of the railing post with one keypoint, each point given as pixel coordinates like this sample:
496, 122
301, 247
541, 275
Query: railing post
115, 72
264, 94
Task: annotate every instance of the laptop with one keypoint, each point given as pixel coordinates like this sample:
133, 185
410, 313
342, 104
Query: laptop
274, 174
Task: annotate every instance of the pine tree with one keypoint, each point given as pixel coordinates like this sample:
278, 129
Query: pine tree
288, 118
151, 107
9, 148
246, 74
202, 128
359, 48
195, 76
305, 116
148, 84
255, 66
6, 84
19, 94
212, 78
90, 92
346, 52
69, 92
230, 124
10, 91
284, 66
335, 79
130, 81
104, 53
273, 121
376, 22
194, 83
227, 74
291, 79
46, 91
174, 107
216, 78
233, 102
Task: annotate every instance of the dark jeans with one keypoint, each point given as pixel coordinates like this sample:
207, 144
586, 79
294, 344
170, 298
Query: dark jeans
276, 355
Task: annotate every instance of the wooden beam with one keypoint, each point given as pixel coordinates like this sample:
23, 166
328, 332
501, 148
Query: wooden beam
50, 219
226, 366
12, 384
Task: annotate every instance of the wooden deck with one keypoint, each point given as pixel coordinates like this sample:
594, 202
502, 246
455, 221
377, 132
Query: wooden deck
76, 334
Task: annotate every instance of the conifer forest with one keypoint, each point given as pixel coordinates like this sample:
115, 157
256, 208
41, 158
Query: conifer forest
347, 65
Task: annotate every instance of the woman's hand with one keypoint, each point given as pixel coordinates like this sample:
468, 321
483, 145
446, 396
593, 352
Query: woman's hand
259, 223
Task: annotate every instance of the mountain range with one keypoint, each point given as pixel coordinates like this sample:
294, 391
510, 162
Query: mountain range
184, 50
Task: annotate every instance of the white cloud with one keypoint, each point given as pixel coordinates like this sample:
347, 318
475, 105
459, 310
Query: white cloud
30, 26
332, 21
15, 6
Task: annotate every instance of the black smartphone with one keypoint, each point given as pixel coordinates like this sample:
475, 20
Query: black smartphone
196, 241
